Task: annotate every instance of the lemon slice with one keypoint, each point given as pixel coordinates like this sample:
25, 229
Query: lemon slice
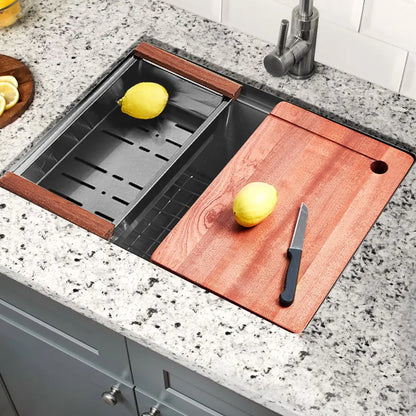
10, 79
2, 104
10, 93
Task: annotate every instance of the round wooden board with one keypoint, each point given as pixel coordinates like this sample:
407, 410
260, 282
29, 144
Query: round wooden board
12, 66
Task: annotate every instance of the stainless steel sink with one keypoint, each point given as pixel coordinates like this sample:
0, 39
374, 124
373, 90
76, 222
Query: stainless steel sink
143, 175
152, 219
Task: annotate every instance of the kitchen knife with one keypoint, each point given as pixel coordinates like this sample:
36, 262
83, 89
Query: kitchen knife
294, 254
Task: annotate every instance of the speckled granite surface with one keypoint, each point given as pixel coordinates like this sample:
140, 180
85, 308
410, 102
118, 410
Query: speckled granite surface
356, 357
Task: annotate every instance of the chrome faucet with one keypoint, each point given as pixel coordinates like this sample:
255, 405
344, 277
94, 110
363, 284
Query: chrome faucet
296, 55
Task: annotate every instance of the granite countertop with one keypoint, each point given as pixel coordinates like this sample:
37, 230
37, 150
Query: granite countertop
357, 355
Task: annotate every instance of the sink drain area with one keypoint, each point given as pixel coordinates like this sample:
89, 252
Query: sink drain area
165, 214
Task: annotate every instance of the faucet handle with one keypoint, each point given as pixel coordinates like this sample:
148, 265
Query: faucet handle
281, 42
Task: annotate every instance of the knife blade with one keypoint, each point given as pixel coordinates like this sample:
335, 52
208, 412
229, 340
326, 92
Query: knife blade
294, 254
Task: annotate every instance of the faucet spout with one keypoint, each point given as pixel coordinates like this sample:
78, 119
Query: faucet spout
306, 8
296, 54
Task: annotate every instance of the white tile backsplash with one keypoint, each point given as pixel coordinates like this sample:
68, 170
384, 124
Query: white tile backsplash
360, 55
259, 18
370, 39
393, 21
210, 9
409, 79
346, 13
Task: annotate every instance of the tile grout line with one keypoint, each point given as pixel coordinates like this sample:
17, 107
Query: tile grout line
404, 71
221, 10
361, 17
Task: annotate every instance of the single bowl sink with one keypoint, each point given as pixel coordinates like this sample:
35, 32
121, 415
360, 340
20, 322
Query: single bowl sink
143, 175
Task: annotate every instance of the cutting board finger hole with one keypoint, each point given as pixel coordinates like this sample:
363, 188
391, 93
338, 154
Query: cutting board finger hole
379, 167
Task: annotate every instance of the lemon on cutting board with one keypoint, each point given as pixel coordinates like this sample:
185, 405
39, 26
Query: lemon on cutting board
254, 203
10, 93
144, 100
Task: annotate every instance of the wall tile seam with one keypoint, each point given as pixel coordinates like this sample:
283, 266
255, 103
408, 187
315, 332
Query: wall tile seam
386, 41
361, 16
221, 11
403, 73
364, 35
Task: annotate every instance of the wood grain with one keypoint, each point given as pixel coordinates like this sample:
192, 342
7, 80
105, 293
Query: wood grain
322, 164
56, 204
12, 66
188, 70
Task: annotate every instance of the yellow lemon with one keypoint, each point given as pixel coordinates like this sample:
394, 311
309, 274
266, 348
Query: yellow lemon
253, 203
9, 10
10, 79
10, 94
2, 105
144, 100
5, 3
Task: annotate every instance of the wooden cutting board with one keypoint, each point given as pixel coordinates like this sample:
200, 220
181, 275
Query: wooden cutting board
12, 66
338, 173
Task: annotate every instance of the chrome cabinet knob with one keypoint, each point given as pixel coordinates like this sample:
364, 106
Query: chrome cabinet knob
110, 397
153, 412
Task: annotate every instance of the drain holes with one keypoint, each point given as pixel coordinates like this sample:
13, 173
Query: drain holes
134, 185
143, 128
122, 201
66, 197
180, 126
379, 167
174, 143
145, 149
106, 217
72, 178
119, 178
115, 136
162, 157
91, 165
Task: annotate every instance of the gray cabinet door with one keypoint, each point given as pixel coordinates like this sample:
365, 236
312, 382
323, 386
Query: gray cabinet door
79, 336
145, 403
187, 392
43, 379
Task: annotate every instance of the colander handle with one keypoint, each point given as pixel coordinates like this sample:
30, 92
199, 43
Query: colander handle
188, 70
56, 204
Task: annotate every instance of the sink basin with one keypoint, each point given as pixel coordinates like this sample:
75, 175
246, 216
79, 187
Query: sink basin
149, 222
143, 175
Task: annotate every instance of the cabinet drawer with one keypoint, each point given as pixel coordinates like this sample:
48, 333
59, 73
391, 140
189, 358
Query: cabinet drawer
145, 403
43, 380
63, 328
184, 390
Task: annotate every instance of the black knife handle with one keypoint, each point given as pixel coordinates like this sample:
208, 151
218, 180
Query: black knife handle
288, 295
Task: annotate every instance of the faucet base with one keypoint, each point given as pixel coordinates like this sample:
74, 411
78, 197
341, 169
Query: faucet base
302, 76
